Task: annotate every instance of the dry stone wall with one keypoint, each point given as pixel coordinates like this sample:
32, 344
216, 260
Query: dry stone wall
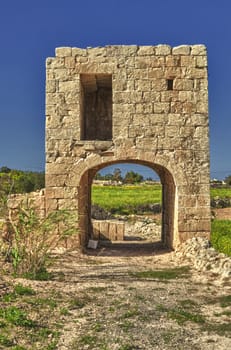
142, 104
34, 200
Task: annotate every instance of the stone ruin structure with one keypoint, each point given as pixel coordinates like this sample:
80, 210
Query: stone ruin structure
139, 104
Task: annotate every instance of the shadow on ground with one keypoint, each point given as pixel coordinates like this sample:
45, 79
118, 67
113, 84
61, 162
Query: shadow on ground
128, 248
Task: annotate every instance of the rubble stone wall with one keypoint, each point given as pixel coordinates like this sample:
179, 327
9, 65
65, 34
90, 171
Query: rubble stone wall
142, 104
34, 200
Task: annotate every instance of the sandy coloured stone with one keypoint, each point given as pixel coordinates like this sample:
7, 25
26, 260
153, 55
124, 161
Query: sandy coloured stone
181, 50
145, 51
63, 51
198, 50
145, 104
163, 50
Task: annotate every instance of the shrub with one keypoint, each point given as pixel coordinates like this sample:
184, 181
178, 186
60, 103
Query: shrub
32, 237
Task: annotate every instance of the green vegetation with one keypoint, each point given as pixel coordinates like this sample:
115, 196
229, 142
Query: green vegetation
165, 274
78, 302
221, 192
19, 290
125, 199
218, 328
224, 300
180, 315
32, 239
27, 321
18, 181
15, 316
221, 236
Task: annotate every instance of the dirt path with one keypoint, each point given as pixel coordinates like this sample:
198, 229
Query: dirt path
118, 305
223, 213
124, 296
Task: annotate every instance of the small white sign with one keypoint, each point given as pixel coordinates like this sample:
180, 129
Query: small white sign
92, 244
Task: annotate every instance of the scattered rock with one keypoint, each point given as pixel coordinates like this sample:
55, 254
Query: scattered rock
205, 258
145, 229
218, 202
99, 213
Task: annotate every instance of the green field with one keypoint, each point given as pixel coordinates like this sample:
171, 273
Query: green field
124, 199
221, 192
221, 236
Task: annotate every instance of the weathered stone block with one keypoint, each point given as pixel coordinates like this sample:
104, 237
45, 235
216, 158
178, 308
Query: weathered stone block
163, 50
63, 51
181, 50
199, 50
146, 51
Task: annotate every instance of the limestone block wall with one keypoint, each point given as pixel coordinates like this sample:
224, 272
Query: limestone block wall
142, 104
112, 230
34, 200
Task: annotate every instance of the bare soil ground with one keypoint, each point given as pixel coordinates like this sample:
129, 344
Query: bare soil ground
128, 295
223, 213
122, 298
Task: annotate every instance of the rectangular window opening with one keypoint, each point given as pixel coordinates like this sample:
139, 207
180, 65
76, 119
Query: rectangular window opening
170, 84
96, 106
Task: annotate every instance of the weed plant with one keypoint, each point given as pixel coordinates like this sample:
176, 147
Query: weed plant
32, 238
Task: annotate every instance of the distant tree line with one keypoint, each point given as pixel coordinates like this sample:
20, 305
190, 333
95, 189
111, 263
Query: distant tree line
130, 177
18, 181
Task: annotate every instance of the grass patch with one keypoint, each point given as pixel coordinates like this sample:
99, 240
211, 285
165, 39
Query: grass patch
168, 336
125, 199
5, 341
224, 301
97, 327
221, 192
28, 319
17, 317
41, 275
126, 325
127, 347
23, 290
51, 303
19, 290
79, 302
166, 274
130, 313
181, 315
188, 303
88, 339
223, 329
221, 236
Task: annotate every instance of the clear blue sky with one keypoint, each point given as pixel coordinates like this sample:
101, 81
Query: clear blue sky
31, 29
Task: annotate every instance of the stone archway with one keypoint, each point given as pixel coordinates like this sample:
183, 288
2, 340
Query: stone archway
142, 104
169, 233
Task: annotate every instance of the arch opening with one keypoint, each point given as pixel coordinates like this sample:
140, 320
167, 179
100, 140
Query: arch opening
109, 230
